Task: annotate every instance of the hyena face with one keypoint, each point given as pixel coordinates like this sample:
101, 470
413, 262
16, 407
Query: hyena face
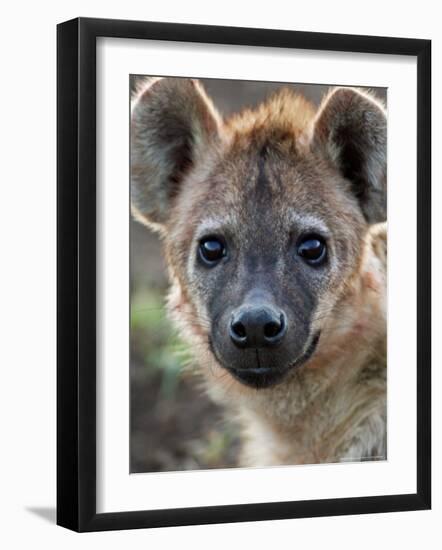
263, 215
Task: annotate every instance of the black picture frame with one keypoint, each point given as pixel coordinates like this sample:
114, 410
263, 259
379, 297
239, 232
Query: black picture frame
76, 273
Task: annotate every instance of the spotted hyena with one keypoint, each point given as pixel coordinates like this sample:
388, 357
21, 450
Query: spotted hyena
273, 222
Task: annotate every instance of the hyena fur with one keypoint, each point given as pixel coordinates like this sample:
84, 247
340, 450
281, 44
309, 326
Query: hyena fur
274, 229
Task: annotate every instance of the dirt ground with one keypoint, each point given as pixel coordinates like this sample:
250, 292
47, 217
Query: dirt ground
189, 433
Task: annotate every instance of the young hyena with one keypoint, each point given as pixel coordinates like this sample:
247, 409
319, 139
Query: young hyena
274, 231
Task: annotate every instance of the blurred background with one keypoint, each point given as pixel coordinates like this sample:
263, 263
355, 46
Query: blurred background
174, 426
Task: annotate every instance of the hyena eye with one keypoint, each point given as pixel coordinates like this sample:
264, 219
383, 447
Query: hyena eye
211, 250
312, 249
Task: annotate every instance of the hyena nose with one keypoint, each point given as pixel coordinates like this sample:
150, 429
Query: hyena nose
257, 327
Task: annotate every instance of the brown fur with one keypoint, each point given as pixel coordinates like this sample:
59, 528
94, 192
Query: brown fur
257, 177
333, 408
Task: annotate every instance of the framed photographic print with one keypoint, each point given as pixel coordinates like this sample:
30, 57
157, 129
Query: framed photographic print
234, 341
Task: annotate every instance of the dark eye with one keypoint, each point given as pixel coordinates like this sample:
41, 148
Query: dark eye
211, 251
312, 249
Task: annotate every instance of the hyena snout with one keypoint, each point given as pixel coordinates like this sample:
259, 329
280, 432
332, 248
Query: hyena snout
257, 326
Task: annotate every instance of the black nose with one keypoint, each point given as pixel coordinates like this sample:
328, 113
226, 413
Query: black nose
257, 327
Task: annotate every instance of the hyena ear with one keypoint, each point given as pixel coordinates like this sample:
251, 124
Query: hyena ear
172, 122
352, 128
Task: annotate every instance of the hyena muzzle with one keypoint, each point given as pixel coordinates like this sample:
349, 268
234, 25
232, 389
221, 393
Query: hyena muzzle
273, 231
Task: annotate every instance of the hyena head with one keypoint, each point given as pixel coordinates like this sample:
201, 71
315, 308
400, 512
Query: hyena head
263, 215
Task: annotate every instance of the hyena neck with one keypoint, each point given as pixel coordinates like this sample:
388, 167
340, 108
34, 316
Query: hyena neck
318, 416
334, 407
